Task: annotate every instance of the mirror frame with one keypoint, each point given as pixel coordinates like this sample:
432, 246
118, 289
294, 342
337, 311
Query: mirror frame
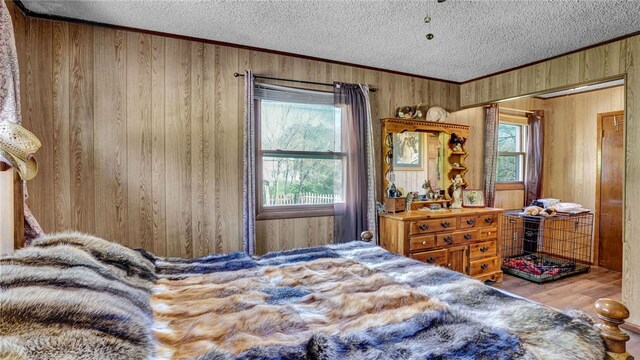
397, 125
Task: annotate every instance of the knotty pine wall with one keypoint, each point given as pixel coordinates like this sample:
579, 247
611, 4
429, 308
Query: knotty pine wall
142, 134
614, 60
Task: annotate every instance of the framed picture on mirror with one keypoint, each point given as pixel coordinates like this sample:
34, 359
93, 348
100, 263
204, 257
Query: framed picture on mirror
407, 151
473, 198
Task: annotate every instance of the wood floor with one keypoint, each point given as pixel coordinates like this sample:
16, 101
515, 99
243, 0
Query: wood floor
579, 291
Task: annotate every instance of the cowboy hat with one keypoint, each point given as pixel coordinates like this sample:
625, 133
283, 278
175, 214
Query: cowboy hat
17, 146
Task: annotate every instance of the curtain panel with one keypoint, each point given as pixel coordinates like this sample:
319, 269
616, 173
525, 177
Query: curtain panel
491, 123
10, 103
359, 179
535, 144
249, 167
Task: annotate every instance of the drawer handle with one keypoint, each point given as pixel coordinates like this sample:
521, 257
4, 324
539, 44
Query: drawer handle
423, 227
484, 266
468, 236
424, 242
488, 220
471, 221
445, 224
431, 260
484, 249
448, 239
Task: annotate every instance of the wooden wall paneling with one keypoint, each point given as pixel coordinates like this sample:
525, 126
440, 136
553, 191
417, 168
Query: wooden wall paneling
158, 169
509, 199
110, 151
570, 143
143, 134
37, 116
228, 126
631, 245
584, 156
209, 175
60, 122
200, 246
573, 67
139, 135
177, 147
81, 112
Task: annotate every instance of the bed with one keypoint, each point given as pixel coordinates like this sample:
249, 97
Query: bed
75, 296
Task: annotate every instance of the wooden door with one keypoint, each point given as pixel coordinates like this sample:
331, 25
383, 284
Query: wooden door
457, 260
609, 214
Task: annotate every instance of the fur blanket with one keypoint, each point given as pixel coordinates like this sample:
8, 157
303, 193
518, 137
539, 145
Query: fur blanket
73, 296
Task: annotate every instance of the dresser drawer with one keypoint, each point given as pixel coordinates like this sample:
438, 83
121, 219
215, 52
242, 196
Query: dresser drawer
487, 233
484, 266
422, 242
436, 257
458, 237
467, 222
430, 226
482, 250
487, 220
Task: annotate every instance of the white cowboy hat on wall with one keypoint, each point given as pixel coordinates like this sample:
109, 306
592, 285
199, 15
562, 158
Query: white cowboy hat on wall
17, 146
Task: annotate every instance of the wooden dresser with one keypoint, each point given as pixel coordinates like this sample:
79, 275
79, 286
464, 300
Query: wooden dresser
465, 240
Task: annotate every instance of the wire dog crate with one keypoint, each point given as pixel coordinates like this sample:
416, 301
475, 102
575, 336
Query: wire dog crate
543, 249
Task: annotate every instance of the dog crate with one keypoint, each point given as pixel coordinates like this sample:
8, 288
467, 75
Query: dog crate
543, 249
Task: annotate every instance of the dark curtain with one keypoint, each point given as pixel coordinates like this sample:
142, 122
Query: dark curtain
249, 167
358, 212
535, 144
491, 122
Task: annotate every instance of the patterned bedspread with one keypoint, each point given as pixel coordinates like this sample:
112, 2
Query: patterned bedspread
79, 297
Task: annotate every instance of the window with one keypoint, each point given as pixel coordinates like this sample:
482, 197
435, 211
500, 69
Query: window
299, 160
511, 152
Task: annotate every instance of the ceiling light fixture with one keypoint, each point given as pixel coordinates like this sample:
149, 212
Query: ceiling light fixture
427, 20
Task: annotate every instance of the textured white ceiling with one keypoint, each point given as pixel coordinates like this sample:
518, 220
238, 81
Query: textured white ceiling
472, 38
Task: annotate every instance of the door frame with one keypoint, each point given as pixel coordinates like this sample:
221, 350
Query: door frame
596, 229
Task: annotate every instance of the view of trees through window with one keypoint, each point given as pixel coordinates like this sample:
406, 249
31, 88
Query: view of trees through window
301, 162
510, 153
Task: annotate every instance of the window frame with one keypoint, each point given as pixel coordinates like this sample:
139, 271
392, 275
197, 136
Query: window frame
291, 211
518, 184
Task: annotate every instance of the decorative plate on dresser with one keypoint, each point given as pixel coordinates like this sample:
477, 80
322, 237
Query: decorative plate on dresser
462, 239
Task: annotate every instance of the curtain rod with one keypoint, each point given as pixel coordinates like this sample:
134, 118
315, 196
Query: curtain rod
516, 110
372, 89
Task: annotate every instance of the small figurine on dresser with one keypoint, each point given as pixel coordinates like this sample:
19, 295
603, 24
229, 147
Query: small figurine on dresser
457, 192
408, 202
457, 142
428, 190
392, 191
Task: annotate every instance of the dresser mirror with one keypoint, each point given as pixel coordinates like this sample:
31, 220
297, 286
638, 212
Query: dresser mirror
417, 156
